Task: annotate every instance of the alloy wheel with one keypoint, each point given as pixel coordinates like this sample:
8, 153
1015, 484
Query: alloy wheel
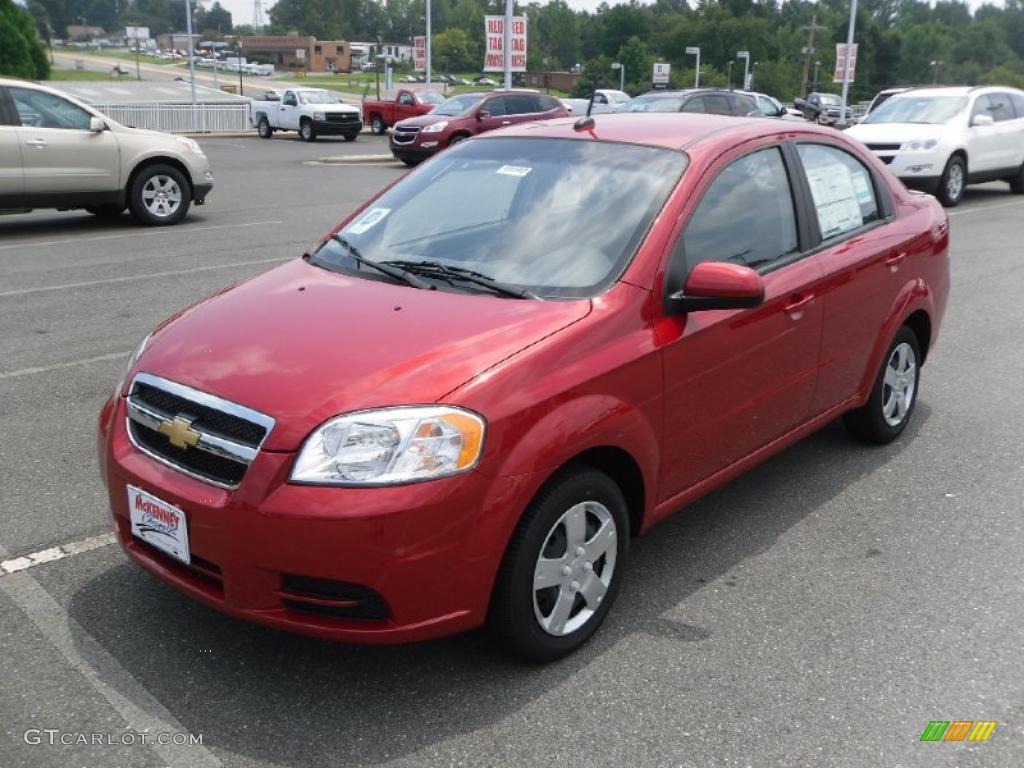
162, 196
574, 568
955, 181
899, 384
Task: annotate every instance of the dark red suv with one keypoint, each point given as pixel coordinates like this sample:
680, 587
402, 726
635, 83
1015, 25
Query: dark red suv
466, 401
417, 138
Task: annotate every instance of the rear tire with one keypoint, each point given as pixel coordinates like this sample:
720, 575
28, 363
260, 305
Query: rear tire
306, 132
953, 182
563, 566
264, 129
893, 395
159, 195
377, 125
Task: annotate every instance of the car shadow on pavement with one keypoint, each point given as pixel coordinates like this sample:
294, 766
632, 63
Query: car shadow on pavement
297, 701
71, 223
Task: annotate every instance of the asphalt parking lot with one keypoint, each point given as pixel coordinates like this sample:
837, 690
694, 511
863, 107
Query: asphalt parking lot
819, 611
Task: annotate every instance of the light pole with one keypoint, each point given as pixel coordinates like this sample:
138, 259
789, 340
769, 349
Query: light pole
622, 74
694, 50
745, 55
506, 45
753, 74
817, 67
729, 70
238, 48
846, 63
935, 70
191, 58
427, 63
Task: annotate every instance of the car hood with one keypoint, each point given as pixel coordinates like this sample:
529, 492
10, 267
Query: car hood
422, 121
333, 107
893, 133
302, 344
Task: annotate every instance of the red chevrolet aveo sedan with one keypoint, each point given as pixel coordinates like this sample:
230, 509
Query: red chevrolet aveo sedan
460, 407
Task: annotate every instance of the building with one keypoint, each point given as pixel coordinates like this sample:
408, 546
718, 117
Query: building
173, 41
78, 33
364, 53
299, 52
560, 81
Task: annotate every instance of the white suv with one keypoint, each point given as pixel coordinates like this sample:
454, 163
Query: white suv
939, 140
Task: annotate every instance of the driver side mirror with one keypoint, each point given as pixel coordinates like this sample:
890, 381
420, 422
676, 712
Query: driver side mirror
96, 125
799, 103
982, 120
717, 285
482, 114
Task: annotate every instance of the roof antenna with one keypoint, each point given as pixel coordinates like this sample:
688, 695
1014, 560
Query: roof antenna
590, 104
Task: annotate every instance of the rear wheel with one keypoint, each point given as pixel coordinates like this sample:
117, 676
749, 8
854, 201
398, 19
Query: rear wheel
886, 413
563, 566
306, 132
264, 128
377, 125
159, 195
953, 182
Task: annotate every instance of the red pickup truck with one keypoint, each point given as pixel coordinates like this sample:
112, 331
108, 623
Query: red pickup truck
381, 115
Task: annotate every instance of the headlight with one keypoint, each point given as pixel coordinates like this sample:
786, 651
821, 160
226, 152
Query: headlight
131, 362
191, 144
391, 446
318, 116
919, 145
435, 127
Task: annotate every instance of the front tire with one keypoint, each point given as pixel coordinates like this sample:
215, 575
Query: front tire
306, 132
893, 395
953, 182
351, 136
159, 195
563, 566
1017, 182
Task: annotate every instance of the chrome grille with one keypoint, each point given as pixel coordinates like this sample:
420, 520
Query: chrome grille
404, 134
224, 436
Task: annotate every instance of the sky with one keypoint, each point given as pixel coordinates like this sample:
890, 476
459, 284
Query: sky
241, 10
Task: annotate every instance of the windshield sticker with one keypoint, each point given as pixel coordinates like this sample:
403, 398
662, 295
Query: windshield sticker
367, 221
835, 199
864, 194
514, 170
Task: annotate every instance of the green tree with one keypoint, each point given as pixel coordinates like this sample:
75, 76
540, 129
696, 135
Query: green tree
21, 51
452, 45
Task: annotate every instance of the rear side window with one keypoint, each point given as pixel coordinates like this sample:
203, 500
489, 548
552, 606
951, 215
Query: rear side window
744, 105
520, 105
497, 107
39, 109
717, 104
1002, 108
1017, 99
842, 190
746, 216
696, 104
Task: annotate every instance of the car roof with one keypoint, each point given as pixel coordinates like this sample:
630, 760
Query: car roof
670, 130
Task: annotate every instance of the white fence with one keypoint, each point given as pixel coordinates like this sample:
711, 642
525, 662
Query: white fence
181, 118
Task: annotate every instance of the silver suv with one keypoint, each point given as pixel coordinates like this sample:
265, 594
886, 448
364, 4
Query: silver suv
56, 152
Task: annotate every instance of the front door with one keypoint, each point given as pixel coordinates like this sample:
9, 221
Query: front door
12, 183
60, 155
288, 112
735, 380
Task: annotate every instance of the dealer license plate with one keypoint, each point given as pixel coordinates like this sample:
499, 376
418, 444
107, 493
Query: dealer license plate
159, 524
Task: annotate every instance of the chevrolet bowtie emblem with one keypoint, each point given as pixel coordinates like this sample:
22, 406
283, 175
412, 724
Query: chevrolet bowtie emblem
179, 431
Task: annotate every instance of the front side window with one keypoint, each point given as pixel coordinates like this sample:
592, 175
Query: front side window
560, 217
520, 105
39, 109
290, 100
746, 216
599, 98
405, 98
842, 190
1000, 107
497, 107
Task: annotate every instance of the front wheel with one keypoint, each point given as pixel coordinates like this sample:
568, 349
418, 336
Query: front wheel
562, 569
887, 412
1017, 182
953, 182
351, 136
160, 195
306, 132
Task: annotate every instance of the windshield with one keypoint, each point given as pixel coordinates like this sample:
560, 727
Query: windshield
829, 99
429, 97
458, 105
653, 102
316, 97
931, 110
557, 217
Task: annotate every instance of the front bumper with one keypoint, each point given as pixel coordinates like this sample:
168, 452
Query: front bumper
325, 128
422, 556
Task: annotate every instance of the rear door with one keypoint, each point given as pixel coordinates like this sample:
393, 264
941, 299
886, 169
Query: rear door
61, 157
1009, 131
12, 182
985, 146
497, 114
522, 107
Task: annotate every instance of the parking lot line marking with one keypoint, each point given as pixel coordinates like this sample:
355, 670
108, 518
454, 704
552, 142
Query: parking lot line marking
140, 710
132, 278
31, 560
984, 208
186, 230
69, 364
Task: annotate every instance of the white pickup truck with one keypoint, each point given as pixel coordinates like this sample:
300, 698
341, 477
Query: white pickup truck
310, 111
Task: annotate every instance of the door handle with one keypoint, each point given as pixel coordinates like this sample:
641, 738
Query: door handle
894, 260
506, 122
796, 304
36, 143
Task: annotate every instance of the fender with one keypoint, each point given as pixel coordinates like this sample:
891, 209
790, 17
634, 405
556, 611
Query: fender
913, 296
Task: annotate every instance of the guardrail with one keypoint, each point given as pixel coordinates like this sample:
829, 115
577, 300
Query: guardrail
181, 118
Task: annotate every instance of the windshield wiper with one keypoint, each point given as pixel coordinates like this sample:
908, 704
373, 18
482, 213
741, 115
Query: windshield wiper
391, 271
469, 275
